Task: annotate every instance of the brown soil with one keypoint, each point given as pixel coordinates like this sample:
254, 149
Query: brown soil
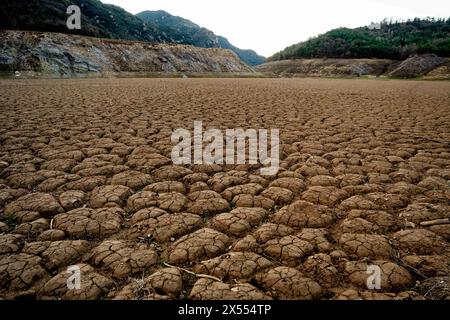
86, 179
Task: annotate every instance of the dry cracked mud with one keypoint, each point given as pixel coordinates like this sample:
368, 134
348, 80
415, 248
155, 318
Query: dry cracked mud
87, 182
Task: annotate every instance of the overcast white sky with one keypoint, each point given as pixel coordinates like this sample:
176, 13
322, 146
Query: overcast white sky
268, 26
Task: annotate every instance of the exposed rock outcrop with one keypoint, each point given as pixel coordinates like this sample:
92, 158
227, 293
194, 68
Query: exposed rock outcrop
326, 67
428, 66
417, 65
55, 54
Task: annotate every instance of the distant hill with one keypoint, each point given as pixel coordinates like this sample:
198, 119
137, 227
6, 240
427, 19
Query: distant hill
248, 56
387, 40
184, 31
181, 30
109, 21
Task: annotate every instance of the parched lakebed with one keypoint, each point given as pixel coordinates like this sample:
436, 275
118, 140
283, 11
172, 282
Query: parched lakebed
87, 184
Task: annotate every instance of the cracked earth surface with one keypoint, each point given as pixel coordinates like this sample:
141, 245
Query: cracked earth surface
86, 179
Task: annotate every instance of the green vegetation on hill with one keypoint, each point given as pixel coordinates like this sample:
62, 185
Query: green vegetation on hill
392, 40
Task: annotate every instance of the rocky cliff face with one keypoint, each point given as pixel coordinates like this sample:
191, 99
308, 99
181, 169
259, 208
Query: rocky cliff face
57, 54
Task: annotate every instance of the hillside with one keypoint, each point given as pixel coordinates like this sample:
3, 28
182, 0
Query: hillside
109, 21
186, 32
60, 55
396, 40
